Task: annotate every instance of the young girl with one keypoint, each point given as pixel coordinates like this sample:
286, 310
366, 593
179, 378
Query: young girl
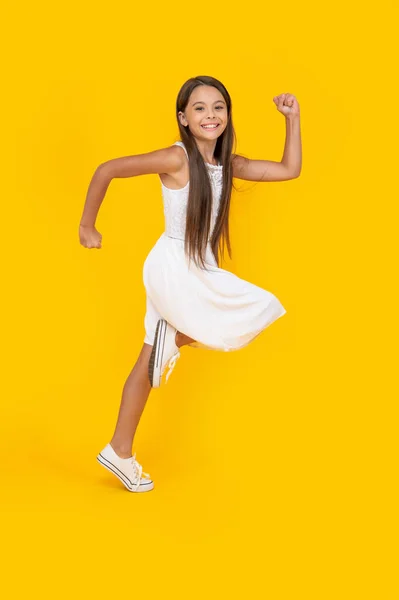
189, 299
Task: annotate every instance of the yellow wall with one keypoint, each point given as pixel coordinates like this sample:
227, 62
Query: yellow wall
273, 466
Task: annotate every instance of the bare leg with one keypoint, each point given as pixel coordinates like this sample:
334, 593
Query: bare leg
134, 397
136, 390
182, 339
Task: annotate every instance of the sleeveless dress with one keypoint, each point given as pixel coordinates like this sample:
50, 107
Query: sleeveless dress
215, 307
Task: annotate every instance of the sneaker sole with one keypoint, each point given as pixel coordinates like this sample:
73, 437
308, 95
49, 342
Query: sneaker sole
155, 361
144, 487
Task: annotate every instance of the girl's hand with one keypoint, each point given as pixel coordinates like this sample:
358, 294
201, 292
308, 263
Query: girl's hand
89, 237
287, 104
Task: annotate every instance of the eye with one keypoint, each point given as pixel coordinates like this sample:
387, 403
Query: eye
201, 107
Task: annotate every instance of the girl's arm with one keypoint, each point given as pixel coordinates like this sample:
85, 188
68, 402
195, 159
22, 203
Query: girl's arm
167, 160
291, 163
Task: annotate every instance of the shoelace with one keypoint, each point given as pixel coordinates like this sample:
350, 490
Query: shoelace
138, 471
171, 364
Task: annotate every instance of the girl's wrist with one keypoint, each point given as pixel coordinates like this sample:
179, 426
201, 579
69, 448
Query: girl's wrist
86, 225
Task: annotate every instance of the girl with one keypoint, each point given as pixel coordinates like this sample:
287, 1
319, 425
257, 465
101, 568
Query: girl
189, 299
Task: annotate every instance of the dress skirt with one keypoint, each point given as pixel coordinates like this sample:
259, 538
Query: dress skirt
216, 308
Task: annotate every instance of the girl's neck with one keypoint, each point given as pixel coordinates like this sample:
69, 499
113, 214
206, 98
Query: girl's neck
207, 149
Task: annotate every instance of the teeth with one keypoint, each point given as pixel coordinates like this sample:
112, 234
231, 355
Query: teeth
209, 126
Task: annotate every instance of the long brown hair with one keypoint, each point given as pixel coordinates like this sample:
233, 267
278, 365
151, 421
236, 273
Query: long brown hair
199, 207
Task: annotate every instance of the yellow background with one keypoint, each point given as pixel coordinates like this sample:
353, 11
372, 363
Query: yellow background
275, 467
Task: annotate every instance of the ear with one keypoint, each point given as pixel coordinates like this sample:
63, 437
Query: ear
182, 118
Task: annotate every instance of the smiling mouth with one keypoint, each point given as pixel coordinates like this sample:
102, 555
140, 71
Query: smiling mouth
210, 127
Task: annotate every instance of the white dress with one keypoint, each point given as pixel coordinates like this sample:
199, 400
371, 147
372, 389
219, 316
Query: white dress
215, 307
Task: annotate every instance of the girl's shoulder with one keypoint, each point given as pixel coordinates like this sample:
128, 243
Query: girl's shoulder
180, 143
177, 179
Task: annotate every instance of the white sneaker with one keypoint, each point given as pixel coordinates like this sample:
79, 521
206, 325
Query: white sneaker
164, 352
128, 470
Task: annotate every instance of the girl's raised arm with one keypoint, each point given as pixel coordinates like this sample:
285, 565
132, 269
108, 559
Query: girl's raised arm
291, 163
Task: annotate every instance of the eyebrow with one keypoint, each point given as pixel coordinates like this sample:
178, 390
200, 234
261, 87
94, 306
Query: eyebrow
200, 102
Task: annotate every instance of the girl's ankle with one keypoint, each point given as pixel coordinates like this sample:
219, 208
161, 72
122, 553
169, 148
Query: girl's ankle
121, 451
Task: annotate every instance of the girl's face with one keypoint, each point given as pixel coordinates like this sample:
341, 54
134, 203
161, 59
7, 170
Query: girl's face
206, 106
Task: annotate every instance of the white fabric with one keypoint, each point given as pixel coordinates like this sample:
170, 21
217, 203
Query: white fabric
216, 308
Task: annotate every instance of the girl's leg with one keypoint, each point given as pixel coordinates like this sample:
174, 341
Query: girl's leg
182, 339
134, 397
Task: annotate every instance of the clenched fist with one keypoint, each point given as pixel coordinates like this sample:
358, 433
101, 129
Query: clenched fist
89, 237
287, 104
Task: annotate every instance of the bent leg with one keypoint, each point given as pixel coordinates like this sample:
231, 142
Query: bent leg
182, 339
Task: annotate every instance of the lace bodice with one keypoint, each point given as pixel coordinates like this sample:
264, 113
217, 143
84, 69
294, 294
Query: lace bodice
175, 202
